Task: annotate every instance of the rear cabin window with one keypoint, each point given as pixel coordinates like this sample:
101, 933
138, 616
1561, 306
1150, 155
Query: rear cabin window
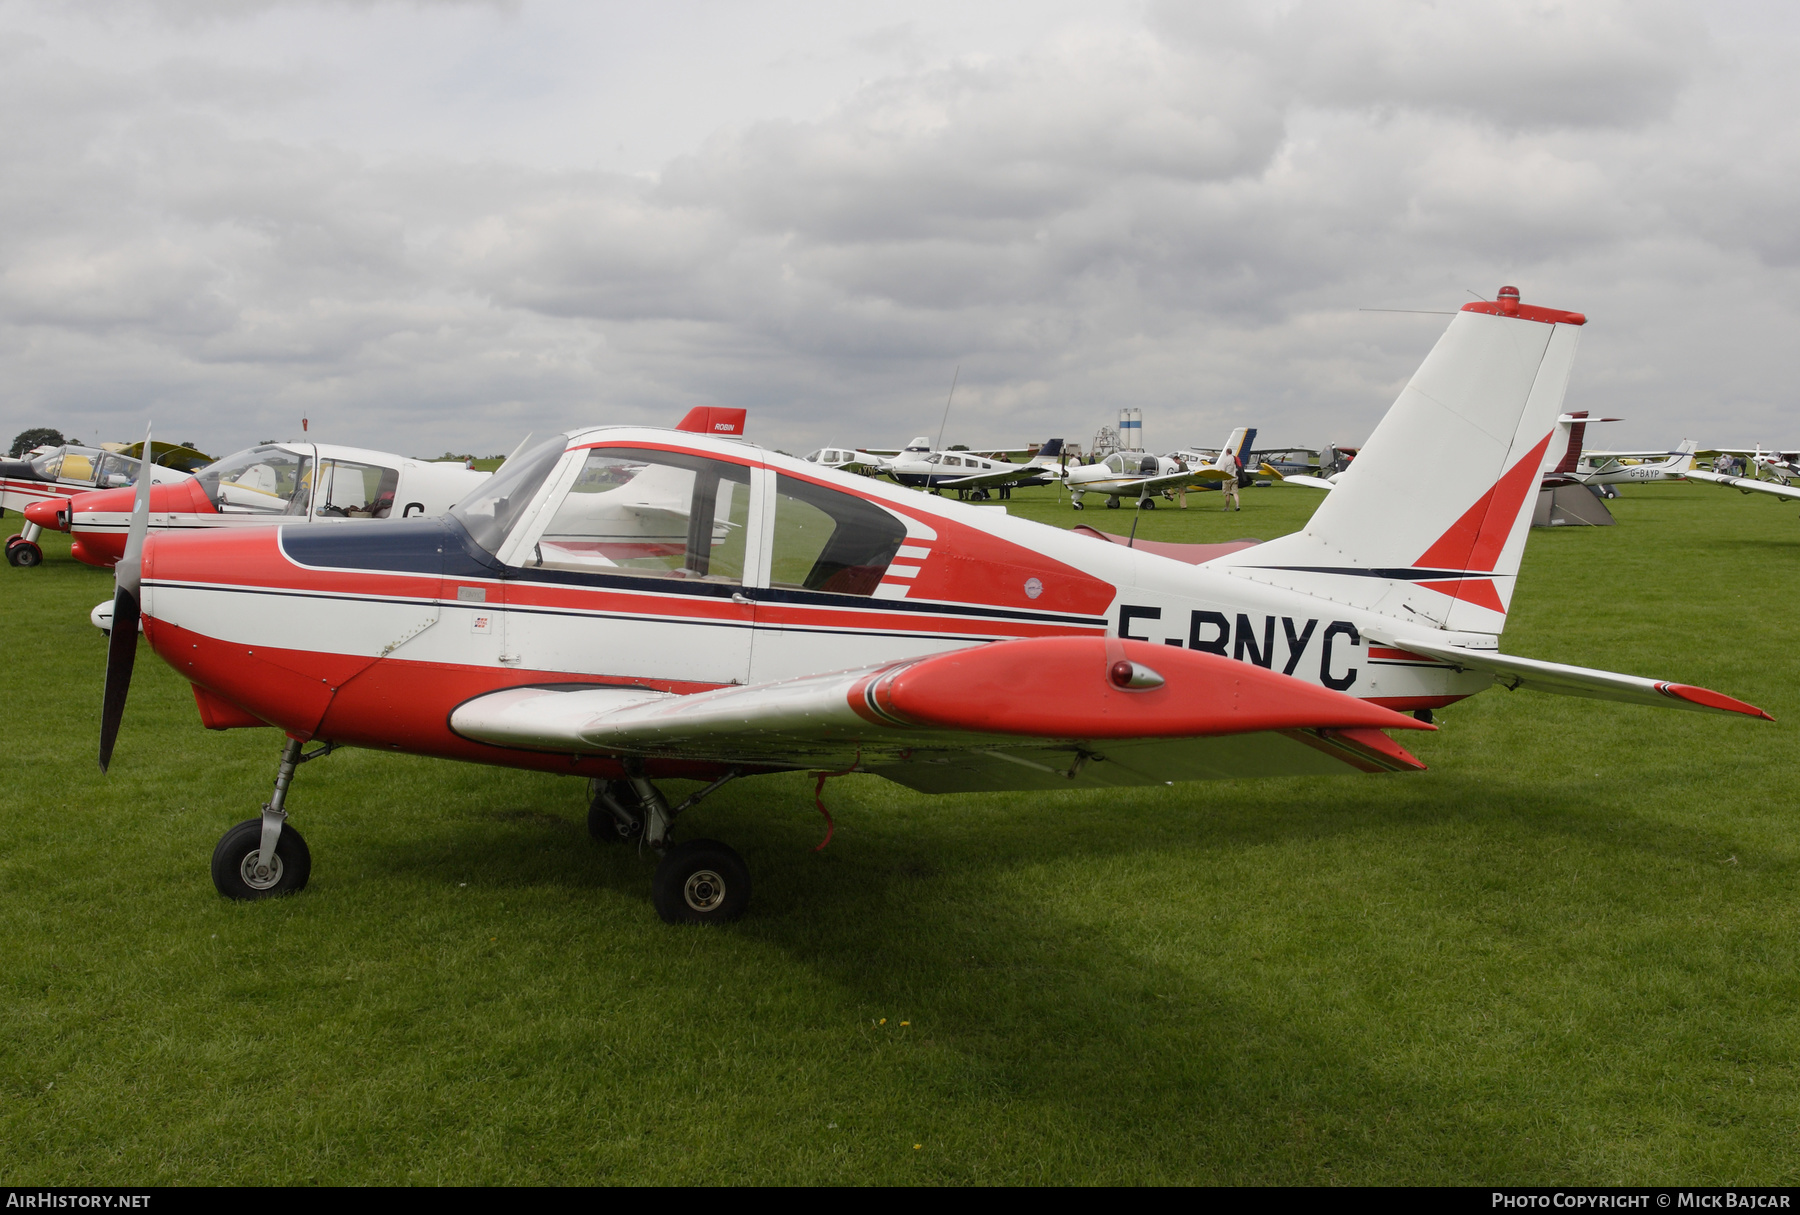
827, 540
355, 491
654, 514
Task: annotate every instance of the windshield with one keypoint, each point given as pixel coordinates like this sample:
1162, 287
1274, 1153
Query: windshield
266, 480
490, 513
67, 464
116, 471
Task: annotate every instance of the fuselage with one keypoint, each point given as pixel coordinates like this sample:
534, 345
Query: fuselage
372, 635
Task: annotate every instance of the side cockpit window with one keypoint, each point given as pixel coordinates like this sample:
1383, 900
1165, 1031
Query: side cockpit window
828, 540
649, 513
266, 480
355, 491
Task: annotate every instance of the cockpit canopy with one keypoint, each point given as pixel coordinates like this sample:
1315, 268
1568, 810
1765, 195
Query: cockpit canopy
68, 463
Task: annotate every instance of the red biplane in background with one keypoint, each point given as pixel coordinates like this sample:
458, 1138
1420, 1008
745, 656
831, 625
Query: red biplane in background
634, 605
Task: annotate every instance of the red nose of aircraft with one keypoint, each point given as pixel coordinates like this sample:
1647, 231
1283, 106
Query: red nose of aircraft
100, 517
50, 513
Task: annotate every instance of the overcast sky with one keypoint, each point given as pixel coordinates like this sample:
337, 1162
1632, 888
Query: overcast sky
432, 226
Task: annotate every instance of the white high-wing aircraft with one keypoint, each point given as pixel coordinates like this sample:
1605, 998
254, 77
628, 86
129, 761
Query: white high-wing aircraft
1622, 467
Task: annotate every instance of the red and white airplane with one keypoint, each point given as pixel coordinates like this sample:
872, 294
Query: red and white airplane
283, 484
53, 475
633, 605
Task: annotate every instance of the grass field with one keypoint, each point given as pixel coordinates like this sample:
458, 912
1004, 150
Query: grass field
1565, 954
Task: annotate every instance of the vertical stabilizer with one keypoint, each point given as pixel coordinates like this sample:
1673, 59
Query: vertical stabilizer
1429, 523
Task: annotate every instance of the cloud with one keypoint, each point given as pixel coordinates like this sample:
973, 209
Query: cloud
1181, 214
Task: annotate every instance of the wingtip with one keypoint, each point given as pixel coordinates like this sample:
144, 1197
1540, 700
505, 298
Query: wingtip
1709, 699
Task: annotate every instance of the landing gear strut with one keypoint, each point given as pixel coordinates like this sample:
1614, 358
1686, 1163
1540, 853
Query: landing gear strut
697, 882
263, 857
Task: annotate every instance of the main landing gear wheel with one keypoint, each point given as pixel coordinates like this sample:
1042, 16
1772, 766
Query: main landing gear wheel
1112, 504
238, 871
701, 882
613, 816
1146, 503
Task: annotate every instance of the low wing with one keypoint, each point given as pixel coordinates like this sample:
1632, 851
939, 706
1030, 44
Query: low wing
1040, 713
1746, 484
1000, 476
1575, 681
1144, 485
1296, 478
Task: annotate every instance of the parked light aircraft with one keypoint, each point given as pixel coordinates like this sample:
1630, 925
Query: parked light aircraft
1573, 466
1779, 490
633, 605
1228, 463
917, 465
847, 459
53, 475
1783, 466
1049, 465
1140, 475
275, 484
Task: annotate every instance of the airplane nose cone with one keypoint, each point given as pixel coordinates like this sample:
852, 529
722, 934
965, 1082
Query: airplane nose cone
49, 513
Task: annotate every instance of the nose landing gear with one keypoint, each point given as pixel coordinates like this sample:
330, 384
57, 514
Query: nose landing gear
263, 857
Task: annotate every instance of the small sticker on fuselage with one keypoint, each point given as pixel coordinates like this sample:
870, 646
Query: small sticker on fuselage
1033, 588
472, 594
482, 623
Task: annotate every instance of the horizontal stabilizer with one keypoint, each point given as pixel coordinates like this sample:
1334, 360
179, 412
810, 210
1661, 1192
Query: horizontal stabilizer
1576, 681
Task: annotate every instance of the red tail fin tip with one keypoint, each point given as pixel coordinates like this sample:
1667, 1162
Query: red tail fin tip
714, 420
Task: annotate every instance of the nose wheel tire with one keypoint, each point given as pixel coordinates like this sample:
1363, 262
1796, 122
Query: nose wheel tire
237, 869
23, 553
1112, 504
701, 882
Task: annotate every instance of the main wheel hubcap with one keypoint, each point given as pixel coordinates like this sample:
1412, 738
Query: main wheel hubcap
704, 890
255, 876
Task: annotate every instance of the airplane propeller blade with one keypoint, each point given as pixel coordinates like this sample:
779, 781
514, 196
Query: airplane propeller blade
121, 648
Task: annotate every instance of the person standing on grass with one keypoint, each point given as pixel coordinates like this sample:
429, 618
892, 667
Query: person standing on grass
1229, 487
